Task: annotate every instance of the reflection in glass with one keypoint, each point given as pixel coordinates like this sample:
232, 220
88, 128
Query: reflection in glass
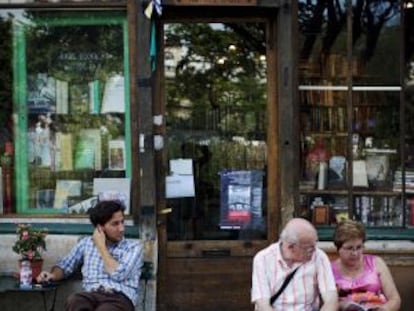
70, 88
322, 42
376, 42
215, 76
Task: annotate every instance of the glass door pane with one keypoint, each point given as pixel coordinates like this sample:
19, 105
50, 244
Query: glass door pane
215, 77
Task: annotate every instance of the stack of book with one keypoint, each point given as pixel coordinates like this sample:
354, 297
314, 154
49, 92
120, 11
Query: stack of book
409, 181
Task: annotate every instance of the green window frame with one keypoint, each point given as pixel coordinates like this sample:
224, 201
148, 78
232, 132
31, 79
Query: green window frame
20, 94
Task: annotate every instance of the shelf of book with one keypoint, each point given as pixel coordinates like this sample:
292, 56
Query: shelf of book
374, 126
338, 135
328, 208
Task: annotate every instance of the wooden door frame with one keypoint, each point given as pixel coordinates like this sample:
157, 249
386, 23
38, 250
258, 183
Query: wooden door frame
272, 132
280, 98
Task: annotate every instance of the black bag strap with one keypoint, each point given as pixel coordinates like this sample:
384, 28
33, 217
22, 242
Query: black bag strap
285, 283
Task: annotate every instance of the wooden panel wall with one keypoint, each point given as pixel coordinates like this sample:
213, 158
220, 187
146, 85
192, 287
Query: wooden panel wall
195, 279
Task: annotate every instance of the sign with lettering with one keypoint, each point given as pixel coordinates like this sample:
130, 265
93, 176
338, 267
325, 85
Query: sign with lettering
241, 199
215, 2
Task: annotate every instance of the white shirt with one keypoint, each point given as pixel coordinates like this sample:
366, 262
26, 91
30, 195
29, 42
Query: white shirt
302, 292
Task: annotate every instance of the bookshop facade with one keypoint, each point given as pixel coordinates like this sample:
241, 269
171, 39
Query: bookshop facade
214, 122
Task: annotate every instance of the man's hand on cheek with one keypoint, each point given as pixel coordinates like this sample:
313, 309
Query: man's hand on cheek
99, 236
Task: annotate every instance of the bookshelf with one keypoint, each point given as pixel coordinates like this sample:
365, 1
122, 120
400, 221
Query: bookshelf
351, 159
69, 116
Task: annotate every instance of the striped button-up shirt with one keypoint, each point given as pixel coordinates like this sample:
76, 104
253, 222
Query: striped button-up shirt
302, 293
125, 279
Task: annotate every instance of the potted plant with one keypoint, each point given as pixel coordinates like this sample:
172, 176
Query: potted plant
30, 244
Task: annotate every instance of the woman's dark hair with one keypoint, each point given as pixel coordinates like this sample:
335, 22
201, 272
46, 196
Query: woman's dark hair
103, 211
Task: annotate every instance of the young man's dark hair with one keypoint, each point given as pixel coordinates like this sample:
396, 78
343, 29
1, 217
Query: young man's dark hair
103, 211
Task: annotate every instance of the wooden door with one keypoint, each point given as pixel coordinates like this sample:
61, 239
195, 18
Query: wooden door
220, 198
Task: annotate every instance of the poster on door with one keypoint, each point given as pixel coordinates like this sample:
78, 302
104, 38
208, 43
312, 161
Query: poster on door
241, 198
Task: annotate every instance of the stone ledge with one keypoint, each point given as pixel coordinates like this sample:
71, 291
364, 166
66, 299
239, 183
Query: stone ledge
385, 246
395, 253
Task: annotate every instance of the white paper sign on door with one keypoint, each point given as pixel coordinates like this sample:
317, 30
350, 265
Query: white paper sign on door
181, 167
179, 186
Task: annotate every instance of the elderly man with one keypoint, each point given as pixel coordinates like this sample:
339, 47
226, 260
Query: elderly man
312, 280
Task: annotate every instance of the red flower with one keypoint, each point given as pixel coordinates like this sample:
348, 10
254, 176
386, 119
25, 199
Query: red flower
25, 235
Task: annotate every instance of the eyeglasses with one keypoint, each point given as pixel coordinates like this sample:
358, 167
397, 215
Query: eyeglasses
353, 249
309, 249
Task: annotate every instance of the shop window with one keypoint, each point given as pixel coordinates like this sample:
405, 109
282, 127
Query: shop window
68, 111
351, 108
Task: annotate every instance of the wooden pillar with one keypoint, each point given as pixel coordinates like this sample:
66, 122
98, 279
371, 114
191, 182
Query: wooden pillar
288, 109
145, 83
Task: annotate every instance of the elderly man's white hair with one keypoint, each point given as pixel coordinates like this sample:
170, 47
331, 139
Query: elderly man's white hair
295, 229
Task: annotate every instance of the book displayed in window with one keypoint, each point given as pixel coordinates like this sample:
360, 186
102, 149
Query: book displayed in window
64, 151
85, 153
94, 102
62, 97
88, 152
79, 98
377, 167
45, 198
359, 173
41, 93
94, 135
118, 189
114, 95
336, 172
116, 152
65, 189
83, 206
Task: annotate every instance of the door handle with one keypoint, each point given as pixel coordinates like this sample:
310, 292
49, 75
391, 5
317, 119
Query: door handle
217, 252
165, 211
